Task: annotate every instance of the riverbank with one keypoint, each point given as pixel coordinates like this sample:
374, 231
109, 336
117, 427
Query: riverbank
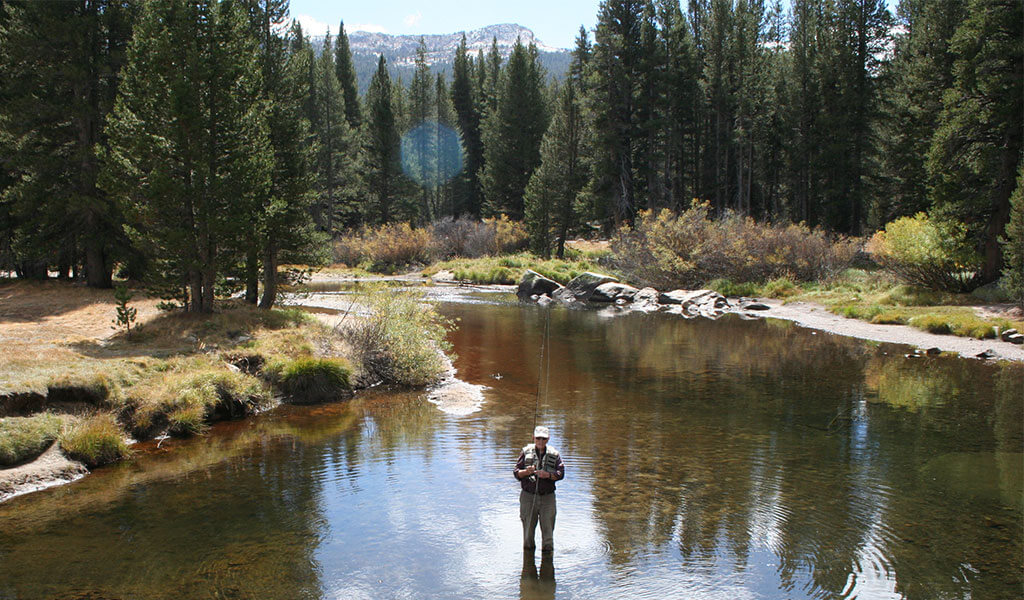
177, 373
823, 317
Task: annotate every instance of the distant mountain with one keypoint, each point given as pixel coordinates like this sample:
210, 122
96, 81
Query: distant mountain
400, 50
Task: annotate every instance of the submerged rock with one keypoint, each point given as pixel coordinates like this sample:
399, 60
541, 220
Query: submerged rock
535, 284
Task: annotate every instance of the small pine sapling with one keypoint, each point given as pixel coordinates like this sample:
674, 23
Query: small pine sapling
125, 314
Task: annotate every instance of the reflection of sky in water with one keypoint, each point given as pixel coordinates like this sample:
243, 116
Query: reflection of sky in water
704, 460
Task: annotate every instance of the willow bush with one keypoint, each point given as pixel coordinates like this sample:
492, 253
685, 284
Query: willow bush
400, 341
928, 252
667, 250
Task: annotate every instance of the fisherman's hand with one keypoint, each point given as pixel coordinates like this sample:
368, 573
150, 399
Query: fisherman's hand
543, 474
528, 471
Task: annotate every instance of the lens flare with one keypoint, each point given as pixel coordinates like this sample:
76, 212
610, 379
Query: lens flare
431, 154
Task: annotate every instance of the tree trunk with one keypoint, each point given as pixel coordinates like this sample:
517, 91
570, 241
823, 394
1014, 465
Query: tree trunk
98, 274
209, 280
252, 276
269, 277
195, 284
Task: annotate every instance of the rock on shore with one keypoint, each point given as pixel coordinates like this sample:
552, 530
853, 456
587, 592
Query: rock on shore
598, 289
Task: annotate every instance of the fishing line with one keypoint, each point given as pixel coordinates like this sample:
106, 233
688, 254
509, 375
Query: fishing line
543, 382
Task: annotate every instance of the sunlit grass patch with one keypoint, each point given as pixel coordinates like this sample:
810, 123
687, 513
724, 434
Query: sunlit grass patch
509, 269
96, 440
315, 379
24, 438
184, 394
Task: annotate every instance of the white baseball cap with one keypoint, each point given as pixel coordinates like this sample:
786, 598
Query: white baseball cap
541, 432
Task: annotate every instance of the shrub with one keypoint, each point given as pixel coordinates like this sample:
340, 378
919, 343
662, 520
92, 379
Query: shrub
24, 438
385, 248
315, 379
780, 288
96, 440
927, 252
469, 238
401, 341
668, 249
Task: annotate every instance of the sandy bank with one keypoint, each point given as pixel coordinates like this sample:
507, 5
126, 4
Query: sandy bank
52, 468
816, 316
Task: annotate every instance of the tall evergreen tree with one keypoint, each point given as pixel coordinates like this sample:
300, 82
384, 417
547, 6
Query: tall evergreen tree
189, 152
512, 133
281, 220
560, 178
978, 145
613, 79
465, 100
920, 71
346, 73
60, 68
386, 184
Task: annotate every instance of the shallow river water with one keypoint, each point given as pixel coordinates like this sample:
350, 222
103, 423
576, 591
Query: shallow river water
730, 459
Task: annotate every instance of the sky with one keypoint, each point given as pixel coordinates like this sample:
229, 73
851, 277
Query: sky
554, 22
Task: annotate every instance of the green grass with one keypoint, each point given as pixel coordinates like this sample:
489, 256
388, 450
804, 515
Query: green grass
24, 438
509, 269
97, 440
877, 297
316, 379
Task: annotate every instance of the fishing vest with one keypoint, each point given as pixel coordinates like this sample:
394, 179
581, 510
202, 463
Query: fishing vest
550, 458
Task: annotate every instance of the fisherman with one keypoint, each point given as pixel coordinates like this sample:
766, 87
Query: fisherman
538, 468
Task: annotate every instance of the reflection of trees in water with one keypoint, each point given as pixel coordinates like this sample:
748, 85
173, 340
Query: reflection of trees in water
724, 437
247, 528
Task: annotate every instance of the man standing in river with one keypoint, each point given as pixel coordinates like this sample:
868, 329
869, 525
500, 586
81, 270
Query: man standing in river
538, 468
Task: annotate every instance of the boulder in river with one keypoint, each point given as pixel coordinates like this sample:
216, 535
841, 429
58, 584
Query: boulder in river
645, 300
535, 284
613, 292
755, 306
582, 286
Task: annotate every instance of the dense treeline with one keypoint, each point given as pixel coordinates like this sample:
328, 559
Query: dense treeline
198, 143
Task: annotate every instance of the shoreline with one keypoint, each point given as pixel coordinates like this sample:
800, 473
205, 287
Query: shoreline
456, 397
817, 317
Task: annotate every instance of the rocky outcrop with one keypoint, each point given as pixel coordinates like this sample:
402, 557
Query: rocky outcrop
598, 289
1012, 336
534, 284
613, 292
582, 287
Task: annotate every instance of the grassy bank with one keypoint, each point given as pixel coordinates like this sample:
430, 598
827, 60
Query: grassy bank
178, 373
877, 297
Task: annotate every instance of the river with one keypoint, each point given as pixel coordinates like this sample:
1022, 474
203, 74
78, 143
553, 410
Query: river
730, 459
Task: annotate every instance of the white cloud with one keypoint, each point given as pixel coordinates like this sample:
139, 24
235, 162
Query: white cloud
370, 27
413, 19
311, 26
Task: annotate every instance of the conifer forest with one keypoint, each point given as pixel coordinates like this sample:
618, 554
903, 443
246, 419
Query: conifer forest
190, 142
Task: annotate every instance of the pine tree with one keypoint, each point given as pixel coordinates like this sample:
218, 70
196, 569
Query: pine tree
386, 184
978, 145
337, 160
1013, 243
920, 71
418, 148
60, 67
281, 221
189, 152
512, 133
346, 73
559, 179
612, 84
465, 100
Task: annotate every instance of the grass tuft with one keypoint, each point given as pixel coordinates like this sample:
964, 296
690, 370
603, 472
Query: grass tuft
96, 440
315, 379
24, 438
